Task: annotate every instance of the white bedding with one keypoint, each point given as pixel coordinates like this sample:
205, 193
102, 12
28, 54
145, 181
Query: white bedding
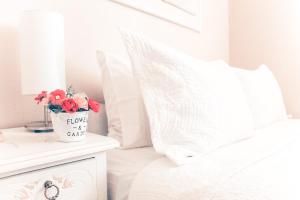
123, 166
265, 167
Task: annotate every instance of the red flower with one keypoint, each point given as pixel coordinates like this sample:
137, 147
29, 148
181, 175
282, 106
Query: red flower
70, 106
40, 97
57, 97
94, 105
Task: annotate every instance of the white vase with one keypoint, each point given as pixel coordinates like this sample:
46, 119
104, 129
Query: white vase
70, 127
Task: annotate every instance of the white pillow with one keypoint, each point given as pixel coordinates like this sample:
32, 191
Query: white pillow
127, 120
193, 106
263, 95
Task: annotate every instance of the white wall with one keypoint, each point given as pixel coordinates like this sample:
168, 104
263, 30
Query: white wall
92, 24
268, 32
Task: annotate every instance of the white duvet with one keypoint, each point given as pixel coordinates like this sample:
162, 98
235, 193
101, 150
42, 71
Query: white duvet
265, 167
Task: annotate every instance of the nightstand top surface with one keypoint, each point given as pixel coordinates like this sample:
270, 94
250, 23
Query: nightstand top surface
20, 147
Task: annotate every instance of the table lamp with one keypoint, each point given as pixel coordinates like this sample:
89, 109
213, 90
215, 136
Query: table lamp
42, 57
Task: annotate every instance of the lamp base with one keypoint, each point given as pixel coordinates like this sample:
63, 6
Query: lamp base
39, 127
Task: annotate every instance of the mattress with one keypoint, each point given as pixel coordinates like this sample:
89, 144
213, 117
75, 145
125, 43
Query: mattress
123, 166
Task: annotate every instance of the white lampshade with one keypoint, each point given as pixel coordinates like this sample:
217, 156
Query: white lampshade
42, 51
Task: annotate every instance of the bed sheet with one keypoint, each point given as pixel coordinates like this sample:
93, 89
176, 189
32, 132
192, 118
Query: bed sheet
123, 166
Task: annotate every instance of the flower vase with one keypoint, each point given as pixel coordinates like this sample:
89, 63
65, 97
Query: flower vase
70, 127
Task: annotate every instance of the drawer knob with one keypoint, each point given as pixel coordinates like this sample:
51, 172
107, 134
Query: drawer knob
48, 185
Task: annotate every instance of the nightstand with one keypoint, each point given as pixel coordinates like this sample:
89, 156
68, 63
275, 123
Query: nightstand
33, 166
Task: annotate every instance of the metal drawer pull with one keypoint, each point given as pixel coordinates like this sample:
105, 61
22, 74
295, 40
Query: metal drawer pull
49, 185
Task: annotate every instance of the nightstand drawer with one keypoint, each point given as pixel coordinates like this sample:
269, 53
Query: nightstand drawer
76, 181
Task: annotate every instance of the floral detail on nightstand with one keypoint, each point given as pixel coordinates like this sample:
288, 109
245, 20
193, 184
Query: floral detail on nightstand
27, 192
63, 182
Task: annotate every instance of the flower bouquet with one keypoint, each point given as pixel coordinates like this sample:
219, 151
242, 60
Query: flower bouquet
69, 112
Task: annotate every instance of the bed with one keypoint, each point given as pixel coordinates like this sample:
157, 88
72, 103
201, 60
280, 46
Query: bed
218, 133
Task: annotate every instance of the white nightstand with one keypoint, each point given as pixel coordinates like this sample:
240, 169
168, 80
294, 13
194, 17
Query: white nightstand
29, 160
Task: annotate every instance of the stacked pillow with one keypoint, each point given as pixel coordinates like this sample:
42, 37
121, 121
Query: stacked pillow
189, 106
127, 120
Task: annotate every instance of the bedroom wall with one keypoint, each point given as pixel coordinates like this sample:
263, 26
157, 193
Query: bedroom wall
90, 25
268, 32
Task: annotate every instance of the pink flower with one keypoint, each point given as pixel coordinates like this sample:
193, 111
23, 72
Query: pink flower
57, 96
81, 100
69, 105
45, 100
41, 97
94, 105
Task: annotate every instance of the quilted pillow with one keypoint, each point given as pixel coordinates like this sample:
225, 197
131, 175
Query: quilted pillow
193, 106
